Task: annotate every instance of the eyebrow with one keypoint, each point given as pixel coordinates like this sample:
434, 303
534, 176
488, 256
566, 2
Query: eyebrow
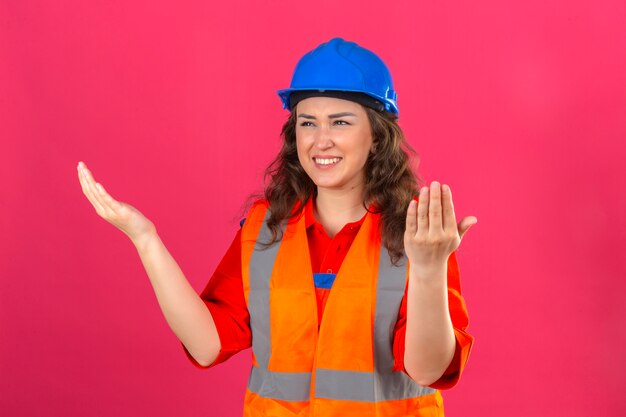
330, 116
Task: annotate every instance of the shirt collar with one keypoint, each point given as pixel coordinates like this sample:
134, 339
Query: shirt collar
309, 216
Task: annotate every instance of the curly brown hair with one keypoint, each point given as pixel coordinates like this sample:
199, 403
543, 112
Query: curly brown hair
390, 183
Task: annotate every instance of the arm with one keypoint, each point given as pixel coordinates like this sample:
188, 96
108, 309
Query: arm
184, 310
460, 323
431, 237
446, 376
223, 296
430, 342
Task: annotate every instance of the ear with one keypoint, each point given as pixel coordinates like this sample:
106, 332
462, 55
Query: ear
374, 147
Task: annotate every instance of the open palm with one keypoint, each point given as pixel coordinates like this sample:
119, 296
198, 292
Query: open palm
121, 215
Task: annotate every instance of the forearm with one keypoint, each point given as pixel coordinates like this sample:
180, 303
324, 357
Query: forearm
184, 310
430, 340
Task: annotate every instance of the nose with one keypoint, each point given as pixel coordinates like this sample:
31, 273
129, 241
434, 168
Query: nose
323, 138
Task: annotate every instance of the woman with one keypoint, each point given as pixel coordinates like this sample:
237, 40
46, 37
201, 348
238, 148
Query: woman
339, 212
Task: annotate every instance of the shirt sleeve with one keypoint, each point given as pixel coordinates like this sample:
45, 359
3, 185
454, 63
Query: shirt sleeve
460, 322
223, 296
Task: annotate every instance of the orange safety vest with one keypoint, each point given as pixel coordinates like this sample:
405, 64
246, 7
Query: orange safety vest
345, 369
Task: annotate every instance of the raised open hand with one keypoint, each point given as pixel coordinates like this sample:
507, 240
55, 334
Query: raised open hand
432, 233
121, 215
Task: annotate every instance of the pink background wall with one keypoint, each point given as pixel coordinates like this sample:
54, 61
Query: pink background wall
519, 106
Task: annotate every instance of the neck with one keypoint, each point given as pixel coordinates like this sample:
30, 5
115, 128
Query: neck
335, 208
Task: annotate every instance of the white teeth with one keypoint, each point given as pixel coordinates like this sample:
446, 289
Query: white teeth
327, 161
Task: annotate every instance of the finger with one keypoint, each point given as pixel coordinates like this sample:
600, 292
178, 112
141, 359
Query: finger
435, 217
422, 211
91, 190
81, 179
85, 187
99, 193
465, 224
107, 199
411, 218
449, 218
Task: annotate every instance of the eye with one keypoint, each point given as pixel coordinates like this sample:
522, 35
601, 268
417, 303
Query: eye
341, 122
306, 124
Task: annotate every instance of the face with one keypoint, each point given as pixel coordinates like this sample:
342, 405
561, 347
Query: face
333, 139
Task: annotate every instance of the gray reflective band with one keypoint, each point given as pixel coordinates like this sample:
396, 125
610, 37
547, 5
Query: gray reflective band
335, 385
288, 386
389, 292
390, 286
261, 266
366, 386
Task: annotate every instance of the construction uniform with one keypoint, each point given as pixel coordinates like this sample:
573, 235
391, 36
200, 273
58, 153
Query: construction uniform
309, 359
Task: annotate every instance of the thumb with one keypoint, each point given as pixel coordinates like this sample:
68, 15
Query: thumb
465, 224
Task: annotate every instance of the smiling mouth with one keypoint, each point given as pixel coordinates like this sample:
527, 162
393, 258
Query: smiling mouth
326, 161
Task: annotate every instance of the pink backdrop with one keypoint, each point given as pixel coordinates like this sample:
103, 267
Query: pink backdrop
519, 106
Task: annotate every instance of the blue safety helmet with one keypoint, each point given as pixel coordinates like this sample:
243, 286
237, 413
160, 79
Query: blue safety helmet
342, 69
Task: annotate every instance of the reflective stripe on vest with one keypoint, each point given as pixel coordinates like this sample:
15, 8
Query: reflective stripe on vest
366, 380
